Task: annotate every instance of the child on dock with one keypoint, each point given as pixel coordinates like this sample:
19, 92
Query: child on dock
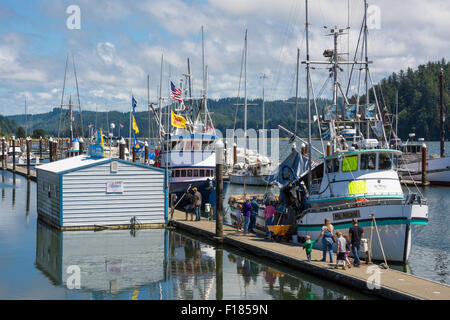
341, 248
347, 250
308, 247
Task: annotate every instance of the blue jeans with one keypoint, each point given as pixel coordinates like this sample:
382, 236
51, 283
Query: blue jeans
252, 224
308, 255
269, 222
327, 246
197, 213
355, 251
246, 223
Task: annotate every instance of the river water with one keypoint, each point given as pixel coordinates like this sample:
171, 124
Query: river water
38, 262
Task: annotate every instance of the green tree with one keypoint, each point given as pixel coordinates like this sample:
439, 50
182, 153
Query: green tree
37, 133
20, 132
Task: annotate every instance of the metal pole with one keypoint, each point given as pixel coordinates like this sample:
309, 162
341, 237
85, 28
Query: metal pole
308, 98
424, 164
3, 153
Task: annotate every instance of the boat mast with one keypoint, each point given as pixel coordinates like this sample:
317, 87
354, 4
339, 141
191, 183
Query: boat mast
442, 120
263, 109
160, 97
308, 98
26, 120
296, 91
204, 80
245, 93
367, 67
70, 115
396, 116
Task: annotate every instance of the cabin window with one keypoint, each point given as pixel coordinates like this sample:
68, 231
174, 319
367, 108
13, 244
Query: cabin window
178, 145
394, 162
368, 161
202, 172
189, 173
195, 173
177, 173
183, 173
350, 163
197, 145
333, 165
384, 161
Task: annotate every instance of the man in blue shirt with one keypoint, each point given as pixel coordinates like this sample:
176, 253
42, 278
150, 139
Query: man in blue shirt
254, 214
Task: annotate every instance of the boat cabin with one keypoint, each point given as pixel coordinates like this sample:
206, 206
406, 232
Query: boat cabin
360, 172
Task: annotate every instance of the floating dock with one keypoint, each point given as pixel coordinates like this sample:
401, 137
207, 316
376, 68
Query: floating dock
392, 284
21, 170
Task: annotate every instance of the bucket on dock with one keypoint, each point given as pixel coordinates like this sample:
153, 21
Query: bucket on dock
207, 207
295, 238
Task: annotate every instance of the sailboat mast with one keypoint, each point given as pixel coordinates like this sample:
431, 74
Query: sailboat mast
396, 114
367, 66
160, 96
263, 109
245, 92
308, 98
442, 118
204, 79
26, 119
71, 119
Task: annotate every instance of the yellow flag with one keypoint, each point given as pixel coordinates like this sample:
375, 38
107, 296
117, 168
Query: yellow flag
178, 121
101, 137
135, 127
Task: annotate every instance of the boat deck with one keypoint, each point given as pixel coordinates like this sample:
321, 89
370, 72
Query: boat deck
393, 284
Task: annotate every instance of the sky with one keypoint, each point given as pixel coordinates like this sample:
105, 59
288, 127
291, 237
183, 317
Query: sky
115, 44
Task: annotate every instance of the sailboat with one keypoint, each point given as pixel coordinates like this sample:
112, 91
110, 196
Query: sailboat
254, 168
357, 176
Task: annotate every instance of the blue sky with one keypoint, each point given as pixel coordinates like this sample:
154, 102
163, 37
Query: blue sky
120, 42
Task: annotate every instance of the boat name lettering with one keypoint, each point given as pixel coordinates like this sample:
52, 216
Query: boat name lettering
346, 215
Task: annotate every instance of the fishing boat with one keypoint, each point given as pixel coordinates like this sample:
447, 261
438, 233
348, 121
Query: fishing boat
357, 177
187, 139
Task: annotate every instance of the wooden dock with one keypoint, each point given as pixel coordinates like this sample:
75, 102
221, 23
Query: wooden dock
393, 284
22, 170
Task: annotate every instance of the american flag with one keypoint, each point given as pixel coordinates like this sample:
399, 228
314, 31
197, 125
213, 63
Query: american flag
175, 93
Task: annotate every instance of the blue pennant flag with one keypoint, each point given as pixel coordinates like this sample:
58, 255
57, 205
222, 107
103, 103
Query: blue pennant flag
133, 103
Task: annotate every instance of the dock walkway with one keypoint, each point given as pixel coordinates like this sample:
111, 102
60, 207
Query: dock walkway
393, 284
22, 170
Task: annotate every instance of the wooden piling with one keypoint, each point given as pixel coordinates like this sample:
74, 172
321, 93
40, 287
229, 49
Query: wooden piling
4, 152
14, 153
219, 191
50, 149
424, 164
28, 145
146, 152
122, 149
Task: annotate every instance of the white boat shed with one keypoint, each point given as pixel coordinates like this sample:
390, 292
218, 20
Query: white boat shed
83, 192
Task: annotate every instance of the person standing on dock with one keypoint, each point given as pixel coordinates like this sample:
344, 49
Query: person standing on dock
269, 211
189, 208
254, 214
341, 246
327, 240
246, 212
197, 203
356, 233
308, 246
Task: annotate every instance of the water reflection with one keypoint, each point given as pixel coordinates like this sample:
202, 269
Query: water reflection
163, 264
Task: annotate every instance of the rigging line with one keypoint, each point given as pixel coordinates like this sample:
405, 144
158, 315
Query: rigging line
238, 93
354, 57
292, 13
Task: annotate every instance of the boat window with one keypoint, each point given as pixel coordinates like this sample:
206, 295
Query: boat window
189, 173
178, 145
195, 173
333, 165
202, 172
177, 173
183, 173
350, 163
187, 146
210, 145
368, 161
197, 145
394, 162
384, 161
205, 145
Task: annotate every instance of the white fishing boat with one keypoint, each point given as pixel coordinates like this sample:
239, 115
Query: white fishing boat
357, 176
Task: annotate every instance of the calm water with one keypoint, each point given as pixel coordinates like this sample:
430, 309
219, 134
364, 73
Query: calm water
35, 262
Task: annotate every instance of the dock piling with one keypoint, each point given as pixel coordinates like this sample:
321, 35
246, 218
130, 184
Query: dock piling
50, 149
122, 149
40, 147
28, 145
424, 164
219, 191
14, 153
3, 153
